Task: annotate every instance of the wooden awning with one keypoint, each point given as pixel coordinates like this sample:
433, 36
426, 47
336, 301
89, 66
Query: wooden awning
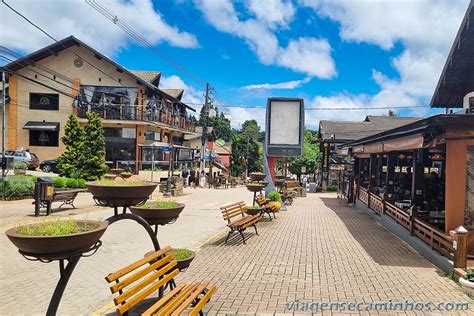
358, 149
404, 143
374, 148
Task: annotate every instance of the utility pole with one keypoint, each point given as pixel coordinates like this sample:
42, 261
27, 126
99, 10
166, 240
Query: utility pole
204, 130
4, 102
247, 159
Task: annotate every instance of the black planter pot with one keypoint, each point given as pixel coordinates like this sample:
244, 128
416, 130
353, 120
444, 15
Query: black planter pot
121, 195
49, 245
158, 216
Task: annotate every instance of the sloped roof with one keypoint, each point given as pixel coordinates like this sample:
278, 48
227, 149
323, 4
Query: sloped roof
345, 131
152, 77
457, 78
175, 93
223, 150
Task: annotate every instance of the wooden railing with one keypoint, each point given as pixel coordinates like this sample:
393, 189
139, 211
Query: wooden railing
376, 203
434, 237
363, 195
431, 235
400, 216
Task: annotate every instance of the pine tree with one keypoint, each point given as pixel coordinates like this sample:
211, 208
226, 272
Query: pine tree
70, 162
94, 148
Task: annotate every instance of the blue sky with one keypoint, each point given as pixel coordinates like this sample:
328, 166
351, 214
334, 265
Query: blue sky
334, 54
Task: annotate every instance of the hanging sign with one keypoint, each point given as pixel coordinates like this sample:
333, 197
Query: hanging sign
325, 156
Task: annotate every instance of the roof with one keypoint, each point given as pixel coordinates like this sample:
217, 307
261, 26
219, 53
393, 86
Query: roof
429, 124
345, 131
457, 77
152, 77
71, 41
175, 93
223, 150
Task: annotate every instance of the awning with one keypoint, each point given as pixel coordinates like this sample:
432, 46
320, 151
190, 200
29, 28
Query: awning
219, 165
358, 149
374, 148
151, 143
404, 143
42, 126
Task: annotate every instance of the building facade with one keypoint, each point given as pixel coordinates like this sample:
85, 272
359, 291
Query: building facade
69, 77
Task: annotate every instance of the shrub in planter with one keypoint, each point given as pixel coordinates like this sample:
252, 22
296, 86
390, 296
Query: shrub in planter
55, 237
275, 199
183, 257
59, 182
159, 212
19, 168
332, 188
17, 187
253, 209
467, 282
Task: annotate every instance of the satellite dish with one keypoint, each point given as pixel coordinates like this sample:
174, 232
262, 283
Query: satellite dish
220, 142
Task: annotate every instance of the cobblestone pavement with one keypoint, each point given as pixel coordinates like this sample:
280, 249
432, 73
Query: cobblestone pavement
26, 287
318, 251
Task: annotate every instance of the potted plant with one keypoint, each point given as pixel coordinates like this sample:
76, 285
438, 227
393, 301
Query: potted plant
255, 186
467, 282
253, 209
121, 192
158, 212
275, 199
126, 174
19, 168
183, 257
56, 237
257, 176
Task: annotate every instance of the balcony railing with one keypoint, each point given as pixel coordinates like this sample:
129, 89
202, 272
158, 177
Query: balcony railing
135, 113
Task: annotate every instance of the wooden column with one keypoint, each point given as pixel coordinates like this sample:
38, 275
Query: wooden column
420, 156
460, 253
390, 175
356, 167
373, 170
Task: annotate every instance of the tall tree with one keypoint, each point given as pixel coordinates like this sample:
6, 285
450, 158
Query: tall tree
247, 137
70, 163
310, 154
220, 125
94, 147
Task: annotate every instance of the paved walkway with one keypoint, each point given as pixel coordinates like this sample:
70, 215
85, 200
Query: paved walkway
319, 251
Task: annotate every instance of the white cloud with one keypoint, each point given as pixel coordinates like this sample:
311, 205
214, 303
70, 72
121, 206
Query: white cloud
194, 98
273, 12
241, 114
425, 28
258, 34
280, 85
75, 17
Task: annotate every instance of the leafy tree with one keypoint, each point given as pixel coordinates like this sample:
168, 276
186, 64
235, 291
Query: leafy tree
220, 125
70, 162
94, 148
250, 132
310, 154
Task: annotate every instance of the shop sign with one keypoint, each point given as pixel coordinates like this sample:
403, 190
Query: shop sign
129, 133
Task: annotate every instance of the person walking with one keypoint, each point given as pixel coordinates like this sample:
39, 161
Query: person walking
192, 178
184, 175
202, 179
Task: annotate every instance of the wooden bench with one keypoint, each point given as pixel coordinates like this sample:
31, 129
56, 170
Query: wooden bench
237, 220
67, 197
140, 279
267, 208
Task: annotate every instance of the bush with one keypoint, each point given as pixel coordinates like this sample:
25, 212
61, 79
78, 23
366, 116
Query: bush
20, 165
81, 183
71, 183
274, 196
319, 189
332, 188
18, 186
59, 182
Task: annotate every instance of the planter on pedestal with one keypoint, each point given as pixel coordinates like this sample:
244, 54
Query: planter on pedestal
121, 193
158, 215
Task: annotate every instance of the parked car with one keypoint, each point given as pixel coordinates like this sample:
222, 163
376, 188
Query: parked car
49, 165
21, 155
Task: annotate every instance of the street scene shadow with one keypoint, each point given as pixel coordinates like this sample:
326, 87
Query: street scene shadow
381, 245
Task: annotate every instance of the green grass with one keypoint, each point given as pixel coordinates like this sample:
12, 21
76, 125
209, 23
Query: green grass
252, 207
54, 228
113, 183
160, 204
181, 254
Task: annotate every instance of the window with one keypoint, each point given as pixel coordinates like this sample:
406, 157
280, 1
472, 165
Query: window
44, 101
44, 138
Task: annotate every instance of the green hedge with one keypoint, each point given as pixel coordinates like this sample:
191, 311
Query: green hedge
61, 182
332, 188
18, 186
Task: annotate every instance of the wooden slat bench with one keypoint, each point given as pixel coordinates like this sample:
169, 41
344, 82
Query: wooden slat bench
237, 220
67, 197
267, 208
146, 276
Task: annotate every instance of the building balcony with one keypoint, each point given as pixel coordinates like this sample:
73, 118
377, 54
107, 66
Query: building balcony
135, 113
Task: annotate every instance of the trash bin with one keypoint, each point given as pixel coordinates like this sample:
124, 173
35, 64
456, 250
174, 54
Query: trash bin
44, 191
312, 187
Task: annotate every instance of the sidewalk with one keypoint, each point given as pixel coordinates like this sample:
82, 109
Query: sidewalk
318, 251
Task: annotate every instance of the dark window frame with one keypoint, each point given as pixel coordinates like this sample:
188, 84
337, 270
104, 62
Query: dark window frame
53, 138
36, 99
